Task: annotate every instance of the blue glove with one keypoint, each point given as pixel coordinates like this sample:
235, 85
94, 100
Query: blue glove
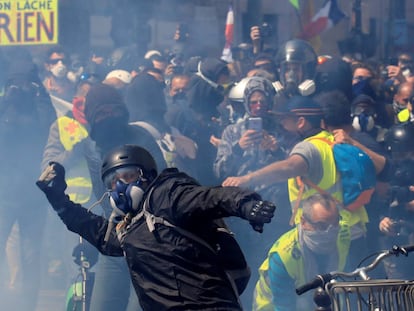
258, 213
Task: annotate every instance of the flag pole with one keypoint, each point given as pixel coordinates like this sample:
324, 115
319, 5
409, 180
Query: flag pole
297, 13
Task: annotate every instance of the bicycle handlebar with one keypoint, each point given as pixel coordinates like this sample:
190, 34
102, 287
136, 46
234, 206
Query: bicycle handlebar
322, 279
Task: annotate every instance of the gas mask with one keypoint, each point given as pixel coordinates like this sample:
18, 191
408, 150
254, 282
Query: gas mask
126, 197
363, 122
363, 119
405, 115
397, 107
125, 186
59, 70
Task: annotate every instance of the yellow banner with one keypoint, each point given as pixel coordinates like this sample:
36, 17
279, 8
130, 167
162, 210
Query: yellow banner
25, 22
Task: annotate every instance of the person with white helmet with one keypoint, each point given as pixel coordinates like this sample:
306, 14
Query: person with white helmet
248, 145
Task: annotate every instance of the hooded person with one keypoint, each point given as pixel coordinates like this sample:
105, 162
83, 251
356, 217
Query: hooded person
205, 91
205, 94
145, 98
246, 146
107, 117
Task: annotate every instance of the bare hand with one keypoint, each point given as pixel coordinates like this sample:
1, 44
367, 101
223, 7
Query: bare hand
269, 142
241, 181
250, 138
341, 136
214, 141
386, 226
255, 34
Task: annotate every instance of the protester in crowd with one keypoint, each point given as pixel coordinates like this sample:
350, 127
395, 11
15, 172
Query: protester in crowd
26, 114
402, 102
119, 79
107, 116
68, 143
337, 119
246, 146
364, 113
397, 223
265, 62
205, 94
56, 67
147, 107
168, 234
316, 245
312, 158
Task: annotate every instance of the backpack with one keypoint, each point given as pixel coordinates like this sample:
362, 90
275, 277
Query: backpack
176, 148
225, 247
357, 171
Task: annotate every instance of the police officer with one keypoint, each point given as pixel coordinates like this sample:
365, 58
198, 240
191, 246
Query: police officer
168, 231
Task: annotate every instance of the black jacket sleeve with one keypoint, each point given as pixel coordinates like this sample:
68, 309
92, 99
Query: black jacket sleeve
90, 226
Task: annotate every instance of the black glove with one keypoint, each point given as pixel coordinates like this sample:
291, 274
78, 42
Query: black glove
52, 182
258, 213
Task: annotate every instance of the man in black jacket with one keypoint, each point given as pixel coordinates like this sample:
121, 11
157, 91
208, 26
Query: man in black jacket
169, 232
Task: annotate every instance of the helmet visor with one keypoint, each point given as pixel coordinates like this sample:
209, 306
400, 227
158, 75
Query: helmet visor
127, 175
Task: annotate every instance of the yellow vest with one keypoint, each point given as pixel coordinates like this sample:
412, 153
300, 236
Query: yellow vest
288, 248
71, 132
330, 182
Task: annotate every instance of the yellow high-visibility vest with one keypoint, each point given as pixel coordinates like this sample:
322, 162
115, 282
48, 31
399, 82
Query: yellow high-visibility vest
71, 132
289, 250
330, 182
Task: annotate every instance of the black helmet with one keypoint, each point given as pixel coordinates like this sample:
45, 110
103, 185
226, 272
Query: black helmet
399, 138
299, 52
129, 155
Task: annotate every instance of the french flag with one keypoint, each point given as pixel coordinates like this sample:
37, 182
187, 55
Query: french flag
329, 15
229, 36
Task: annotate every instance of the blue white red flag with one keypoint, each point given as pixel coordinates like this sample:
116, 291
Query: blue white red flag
229, 36
328, 16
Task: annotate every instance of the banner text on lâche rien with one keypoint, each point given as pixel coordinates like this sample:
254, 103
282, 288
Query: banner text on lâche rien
24, 22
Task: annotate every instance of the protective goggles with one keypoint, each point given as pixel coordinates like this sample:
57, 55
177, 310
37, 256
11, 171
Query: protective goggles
127, 175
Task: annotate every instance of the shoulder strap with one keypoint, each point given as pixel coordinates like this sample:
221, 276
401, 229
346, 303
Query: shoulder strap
151, 220
330, 143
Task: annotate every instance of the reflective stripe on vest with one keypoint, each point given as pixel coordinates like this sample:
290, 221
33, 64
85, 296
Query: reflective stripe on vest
330, 182
71, 132
288, 248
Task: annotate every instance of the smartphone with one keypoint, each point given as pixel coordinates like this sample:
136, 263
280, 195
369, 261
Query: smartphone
255, 123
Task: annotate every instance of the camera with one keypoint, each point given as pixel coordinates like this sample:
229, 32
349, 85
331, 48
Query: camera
266, 30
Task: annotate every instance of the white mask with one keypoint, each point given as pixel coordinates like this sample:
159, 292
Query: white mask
59, 70
321, 242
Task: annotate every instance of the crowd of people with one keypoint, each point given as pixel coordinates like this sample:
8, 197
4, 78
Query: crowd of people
242, 134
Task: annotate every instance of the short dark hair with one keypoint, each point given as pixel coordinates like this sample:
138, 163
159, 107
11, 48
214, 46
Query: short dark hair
336, 108
54, 49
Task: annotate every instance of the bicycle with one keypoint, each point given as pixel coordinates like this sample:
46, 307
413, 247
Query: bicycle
364, 294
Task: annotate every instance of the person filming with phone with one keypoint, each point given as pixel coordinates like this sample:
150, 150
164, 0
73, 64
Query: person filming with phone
246, 146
